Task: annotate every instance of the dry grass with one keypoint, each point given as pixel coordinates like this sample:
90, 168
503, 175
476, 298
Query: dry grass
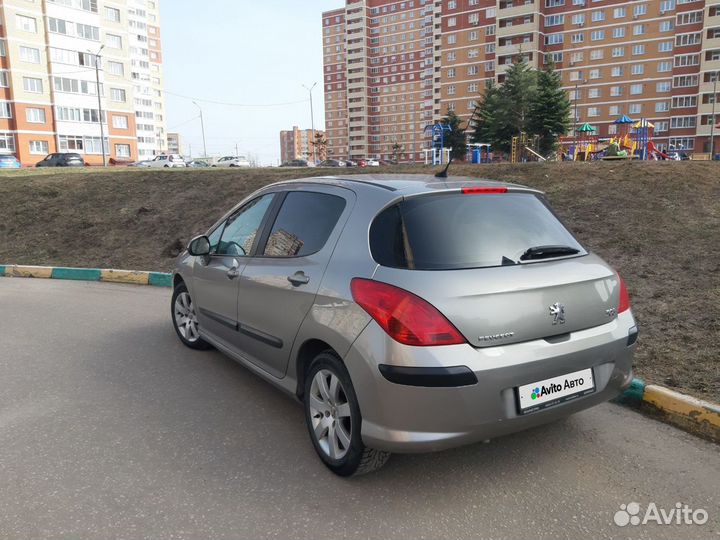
657, 223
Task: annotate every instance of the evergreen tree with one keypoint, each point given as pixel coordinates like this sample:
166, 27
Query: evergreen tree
517, 95
487, 117
455, 138
550, 111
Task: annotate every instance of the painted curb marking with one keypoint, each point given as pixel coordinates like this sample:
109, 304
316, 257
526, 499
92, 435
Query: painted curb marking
136, 277
686, 412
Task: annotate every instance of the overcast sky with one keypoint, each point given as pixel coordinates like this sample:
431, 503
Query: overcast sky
242, 52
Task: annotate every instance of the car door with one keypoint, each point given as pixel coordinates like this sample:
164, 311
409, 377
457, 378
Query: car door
215, 277
278, 285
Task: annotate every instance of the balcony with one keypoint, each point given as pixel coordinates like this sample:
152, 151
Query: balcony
711, 43
514, 48
517, 29
710, 65
517, 11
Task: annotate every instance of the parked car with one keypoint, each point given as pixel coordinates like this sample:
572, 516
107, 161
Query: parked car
62, 159
197, 163
408, 314
232, 161
164, 160
361, 162
350, 163
370, 162
387, 162
331, 163
8, 161
296, 163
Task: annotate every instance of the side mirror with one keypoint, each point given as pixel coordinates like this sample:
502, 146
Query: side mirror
199, 246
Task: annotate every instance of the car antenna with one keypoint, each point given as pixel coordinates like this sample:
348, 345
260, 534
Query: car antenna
444, 172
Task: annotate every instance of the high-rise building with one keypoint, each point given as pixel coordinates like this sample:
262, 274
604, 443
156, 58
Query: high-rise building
48, 82
393, 67
297, 143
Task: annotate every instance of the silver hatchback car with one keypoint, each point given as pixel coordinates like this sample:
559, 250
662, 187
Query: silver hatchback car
408, 313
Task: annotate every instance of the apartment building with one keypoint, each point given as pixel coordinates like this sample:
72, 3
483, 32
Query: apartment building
652, 59
49, 83
296, 143
174, 143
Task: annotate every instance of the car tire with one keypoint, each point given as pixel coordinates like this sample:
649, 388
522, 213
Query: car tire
333, 419
184, 318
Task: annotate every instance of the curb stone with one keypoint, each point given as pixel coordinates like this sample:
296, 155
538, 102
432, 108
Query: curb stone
157, 279
690, 414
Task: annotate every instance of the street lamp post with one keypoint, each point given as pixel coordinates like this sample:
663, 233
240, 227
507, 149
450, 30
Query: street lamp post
312, 119
575, 121
202, 127
100, 111
712, 123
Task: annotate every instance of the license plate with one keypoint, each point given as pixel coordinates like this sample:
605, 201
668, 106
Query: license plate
539, 395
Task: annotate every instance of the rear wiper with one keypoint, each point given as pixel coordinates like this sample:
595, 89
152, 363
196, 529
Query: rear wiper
547, 252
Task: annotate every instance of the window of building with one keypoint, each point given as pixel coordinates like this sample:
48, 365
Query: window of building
113, 41
597, 54
31, 84
637, 69
593, 111
7, 142
664, 66
594, 93
680, 102
636, 89
638, 49
638, 29
665, 46
683, 40
112, 14
617, 71
451, 73
684, 81
661, 126
619, 32
662, 106
689, 60
119, 121
34, 115
598, 15
122, 150
662, 87
117, 95
681, 143
554, 39
451, 90
594, 74
679, 122
635, 108
554, 20
578, 18
116, 68
39, 147
618, 51
26, 24
688, 17
4, 79
666, 26
29, 54
616, 91
619, 13
578, 38
639, 9
597, 35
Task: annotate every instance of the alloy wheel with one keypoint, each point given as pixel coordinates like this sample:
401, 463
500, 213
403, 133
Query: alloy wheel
186, 318
330, 414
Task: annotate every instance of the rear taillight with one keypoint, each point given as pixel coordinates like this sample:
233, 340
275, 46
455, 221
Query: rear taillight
624, 303
485, 190
405, 317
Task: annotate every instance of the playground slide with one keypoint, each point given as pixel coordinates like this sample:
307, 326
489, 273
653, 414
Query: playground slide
654, 149
534, 153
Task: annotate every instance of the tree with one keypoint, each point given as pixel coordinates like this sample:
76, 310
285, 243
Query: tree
455, 138
397, 149
517, 94
550, 111
318, 147
487, 116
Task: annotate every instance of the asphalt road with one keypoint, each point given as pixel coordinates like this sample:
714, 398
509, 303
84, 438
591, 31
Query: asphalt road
110, 428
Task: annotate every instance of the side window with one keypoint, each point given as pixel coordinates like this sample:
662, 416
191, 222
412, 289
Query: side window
303, 224
242, 227
214, 237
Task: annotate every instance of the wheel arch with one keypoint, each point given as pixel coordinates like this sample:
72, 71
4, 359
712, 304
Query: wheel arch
306, 353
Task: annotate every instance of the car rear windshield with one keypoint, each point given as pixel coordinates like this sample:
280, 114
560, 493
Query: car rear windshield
455, 231
73, 156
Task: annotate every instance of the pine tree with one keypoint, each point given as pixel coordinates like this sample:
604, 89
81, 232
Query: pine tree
455, 138
517, 95
549, 115
487, 116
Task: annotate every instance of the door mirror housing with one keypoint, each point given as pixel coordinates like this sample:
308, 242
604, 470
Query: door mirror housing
199, 246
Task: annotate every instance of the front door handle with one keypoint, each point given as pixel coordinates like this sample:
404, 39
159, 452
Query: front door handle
233, 272
299, 278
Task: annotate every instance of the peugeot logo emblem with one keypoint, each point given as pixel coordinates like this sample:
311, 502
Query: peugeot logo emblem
557, 312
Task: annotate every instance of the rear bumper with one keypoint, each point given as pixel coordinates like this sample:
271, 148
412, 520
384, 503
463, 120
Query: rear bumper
406, 418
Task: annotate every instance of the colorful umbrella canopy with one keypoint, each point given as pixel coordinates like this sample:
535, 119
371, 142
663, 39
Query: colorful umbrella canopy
586, 128
624, 119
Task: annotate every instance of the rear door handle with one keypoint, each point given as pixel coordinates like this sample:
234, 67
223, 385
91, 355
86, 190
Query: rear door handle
233, 272
299, 278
